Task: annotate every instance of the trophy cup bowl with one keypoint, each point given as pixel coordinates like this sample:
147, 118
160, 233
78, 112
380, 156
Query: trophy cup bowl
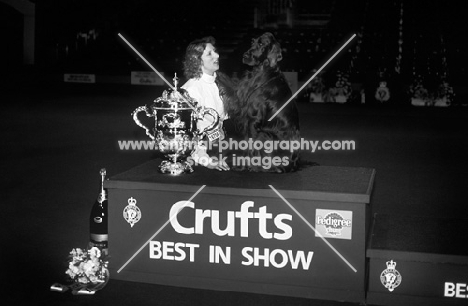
175, 130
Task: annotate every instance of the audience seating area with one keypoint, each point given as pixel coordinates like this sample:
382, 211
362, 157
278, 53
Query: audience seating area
396, 43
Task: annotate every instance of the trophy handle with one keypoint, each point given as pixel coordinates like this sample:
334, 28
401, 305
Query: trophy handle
202, 112
138, 122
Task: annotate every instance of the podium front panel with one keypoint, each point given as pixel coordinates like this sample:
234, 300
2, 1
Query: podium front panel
200, 233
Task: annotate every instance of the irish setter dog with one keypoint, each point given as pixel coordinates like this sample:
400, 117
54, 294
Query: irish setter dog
260, 93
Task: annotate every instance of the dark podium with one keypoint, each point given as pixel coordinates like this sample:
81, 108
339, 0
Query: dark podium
301, 234
430, 256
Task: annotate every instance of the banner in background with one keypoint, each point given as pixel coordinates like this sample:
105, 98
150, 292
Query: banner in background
79, 78
146, 78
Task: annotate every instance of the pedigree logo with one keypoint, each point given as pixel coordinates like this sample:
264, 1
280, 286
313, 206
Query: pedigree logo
336, 224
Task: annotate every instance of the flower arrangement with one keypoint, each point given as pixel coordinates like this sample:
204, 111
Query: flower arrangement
443, 95
87, 267
445, 91
317, 85
315, 89
342, 85
342, 90
417, 89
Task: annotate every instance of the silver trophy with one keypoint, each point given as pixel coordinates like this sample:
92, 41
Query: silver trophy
175, 131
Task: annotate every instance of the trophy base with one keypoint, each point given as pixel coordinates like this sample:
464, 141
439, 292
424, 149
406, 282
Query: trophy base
175, 168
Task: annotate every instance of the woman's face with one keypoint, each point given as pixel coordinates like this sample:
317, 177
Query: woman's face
210, 60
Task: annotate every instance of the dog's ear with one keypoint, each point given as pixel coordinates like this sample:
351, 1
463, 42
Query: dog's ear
274, 55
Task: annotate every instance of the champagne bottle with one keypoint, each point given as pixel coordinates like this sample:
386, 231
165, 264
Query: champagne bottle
98, 220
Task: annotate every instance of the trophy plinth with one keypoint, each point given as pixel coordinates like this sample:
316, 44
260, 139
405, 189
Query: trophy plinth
175, 168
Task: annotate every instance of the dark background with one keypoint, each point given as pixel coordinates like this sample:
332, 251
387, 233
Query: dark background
56, 136
80, 36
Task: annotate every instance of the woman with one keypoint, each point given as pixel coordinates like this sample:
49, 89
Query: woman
200, 66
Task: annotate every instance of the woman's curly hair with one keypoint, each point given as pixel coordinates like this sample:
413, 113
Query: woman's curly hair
193, 54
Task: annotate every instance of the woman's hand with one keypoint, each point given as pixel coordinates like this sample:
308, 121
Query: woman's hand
219, 165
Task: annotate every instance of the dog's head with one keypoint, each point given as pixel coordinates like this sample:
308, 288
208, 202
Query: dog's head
265, 50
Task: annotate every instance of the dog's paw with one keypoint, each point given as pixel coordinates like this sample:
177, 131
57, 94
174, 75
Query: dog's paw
239, 168
302, 164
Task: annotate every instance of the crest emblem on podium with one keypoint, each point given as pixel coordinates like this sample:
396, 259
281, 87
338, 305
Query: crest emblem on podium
131, 212
390, 277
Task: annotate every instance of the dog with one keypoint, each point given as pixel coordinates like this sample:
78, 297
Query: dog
260, 94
